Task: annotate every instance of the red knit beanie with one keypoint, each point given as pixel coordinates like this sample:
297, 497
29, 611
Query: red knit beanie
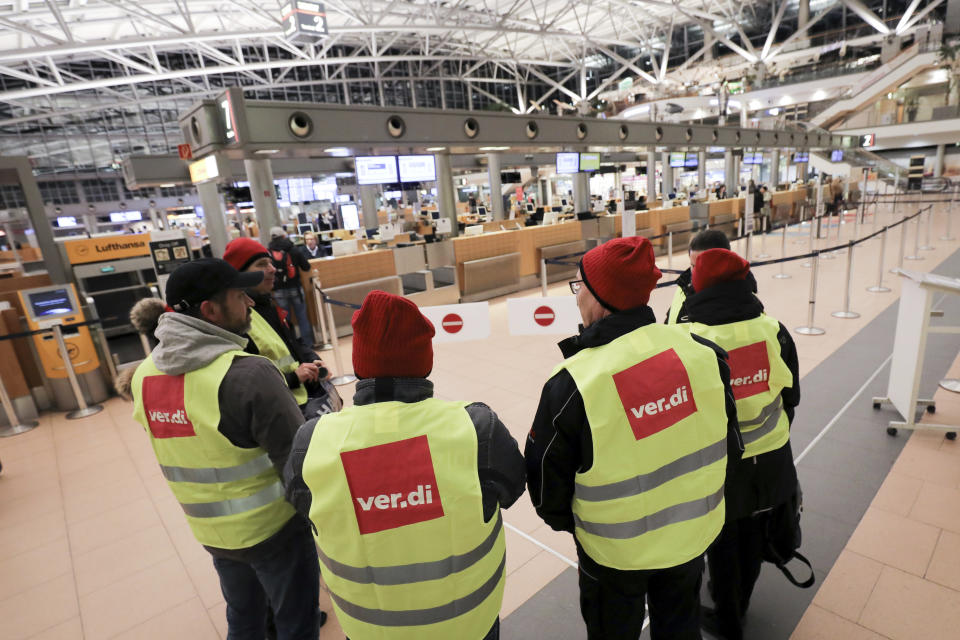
714, 266
391, 338
242, 252
621, 273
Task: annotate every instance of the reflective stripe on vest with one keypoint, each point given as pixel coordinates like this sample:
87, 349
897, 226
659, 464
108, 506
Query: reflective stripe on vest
679, 297
671, 515
655, 403
417, 571
271, 346
398, 514
232, 496
758, 376
214, 474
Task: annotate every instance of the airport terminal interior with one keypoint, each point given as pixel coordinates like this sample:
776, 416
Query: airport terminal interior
466, 155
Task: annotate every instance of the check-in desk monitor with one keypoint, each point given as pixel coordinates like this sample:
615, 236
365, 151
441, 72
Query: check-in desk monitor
48, 306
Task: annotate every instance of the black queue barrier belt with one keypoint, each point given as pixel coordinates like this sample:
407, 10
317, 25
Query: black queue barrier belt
338, 303
772, 229
36, 332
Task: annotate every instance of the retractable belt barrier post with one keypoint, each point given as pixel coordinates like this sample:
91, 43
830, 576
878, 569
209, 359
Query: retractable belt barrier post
948, 236
670, 250
809, 329
543, 277
846, 313
344, 377
83, 410
916, 242
763, 255
783, 253
145, 343
14, 424
318, 304
879, 288
903, 244
810, 244
926, 243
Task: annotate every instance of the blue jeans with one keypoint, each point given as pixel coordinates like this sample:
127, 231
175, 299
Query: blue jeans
291, 301
285, 577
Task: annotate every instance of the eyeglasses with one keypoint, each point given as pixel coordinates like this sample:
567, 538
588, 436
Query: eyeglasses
575, 286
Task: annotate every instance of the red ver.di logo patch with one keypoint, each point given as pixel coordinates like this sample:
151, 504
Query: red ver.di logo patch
749, 370
655, 393
163, 405
392, 485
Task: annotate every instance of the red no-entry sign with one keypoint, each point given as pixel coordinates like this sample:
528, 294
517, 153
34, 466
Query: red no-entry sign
544, 316
452, 323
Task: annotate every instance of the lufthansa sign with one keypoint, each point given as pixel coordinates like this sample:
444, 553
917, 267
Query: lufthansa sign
107, 248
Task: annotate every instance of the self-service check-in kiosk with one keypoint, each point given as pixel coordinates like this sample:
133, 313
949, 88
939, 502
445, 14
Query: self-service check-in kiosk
45, 307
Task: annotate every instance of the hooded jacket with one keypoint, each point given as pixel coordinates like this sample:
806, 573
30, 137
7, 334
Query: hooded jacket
770, 479
296, 257
256, 409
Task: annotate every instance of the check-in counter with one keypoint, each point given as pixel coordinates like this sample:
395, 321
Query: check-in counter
786, 205
344, 270
26, 254
488, 265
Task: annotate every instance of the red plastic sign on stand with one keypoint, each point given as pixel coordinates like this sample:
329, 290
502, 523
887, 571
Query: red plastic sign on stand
544, 316
452, 323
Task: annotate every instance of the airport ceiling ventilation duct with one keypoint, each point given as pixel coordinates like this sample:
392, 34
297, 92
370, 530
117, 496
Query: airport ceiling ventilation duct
240, 128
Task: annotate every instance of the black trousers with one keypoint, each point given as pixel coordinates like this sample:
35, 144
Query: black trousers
612, 601
734, 560
493, 634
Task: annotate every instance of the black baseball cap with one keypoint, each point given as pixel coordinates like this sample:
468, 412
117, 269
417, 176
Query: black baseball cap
199, 280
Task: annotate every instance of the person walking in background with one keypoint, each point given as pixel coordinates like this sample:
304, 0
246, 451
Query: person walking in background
287, 290
629, 450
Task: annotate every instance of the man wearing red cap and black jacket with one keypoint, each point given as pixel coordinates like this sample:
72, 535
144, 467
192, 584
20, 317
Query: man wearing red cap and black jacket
766, 383
405, 491
629, 450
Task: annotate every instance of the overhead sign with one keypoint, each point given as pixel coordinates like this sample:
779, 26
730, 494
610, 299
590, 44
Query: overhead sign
204, 169
303, 20
186, 153
868, 140
86, 250
459, 322
543, 316
168, 250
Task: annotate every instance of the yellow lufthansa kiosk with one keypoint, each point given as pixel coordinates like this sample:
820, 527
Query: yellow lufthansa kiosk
79, 387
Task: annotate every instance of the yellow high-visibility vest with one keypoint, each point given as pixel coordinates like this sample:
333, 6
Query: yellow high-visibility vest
232, 496
653, 497
398, 512
679, 297
271, 346
758, 375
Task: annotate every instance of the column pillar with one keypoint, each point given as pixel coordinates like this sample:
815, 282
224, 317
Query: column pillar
651, 177
581, 192
549, 201
90, 222
774, 169
938, 161
618, 184
702, 171
368, 205
729, 175
215, 217
446, 192
496, 189
42, 229
260, 175
667, 173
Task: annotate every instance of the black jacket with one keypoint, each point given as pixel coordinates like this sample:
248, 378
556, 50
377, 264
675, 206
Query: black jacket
499, 463
266, 307
763, 481
685, 282
559, 444
296, 257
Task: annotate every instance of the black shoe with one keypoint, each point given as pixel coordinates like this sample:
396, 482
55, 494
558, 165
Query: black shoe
323, 619
708, 621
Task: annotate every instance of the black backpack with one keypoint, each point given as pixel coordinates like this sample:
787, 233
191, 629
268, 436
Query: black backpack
286, 270
782, 537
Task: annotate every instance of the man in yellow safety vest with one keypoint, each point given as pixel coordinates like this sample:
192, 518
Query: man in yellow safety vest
405, 491
221, 423
629, 450
765, 376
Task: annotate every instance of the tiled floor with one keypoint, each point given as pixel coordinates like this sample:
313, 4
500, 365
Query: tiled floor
92, 544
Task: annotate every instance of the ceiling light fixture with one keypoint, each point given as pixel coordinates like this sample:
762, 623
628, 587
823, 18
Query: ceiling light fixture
494, 148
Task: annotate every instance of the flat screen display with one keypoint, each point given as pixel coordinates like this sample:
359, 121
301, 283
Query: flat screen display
800, 158
376, 169
589, 161
53, 302
350, 215
691, 161
66, 221
753, 158
836, 156
568, 162
677, 159
417, 168
126, 216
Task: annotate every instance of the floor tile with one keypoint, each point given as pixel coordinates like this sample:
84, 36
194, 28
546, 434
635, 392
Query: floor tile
121, 558
944, 566
113, 524
134, 600
32, 533
205, 580
519, 550
218, 616
820, 624
530, 578
895, 541
38, 609
906, 607
92, 503
938, 506
897, 494
72, 629
33, 506
848, 586
34, 567
187, 620
931, 465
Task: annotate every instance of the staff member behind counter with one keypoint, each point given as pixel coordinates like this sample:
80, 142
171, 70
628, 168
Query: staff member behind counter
221, 423
405, 491
272, 336
629, 450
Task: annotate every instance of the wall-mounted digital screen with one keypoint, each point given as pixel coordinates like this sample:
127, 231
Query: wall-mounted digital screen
376, 169
568, 162
753, 158
417, 168
801, 157
691, 161
66, 221
126, 216
53, 302
350, 215
677, 159
868, 140
589, 161
836, 155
